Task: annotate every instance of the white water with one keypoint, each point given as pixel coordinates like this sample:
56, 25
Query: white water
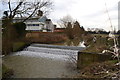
51, 53
41, 62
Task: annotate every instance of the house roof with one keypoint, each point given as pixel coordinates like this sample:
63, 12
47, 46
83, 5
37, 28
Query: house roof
19, 18
42, 19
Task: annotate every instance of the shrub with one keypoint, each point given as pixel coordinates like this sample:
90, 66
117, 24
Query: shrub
20, 28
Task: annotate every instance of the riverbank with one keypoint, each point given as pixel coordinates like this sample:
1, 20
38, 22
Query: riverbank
107, 69
33, 37
85, 73
40, 38
19, 46
97, 43
46, 37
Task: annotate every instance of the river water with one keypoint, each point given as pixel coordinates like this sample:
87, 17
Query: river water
42, 62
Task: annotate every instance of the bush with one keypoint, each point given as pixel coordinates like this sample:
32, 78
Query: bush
20, 28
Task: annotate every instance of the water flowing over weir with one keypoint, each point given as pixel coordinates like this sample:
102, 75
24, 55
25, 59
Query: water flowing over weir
51, 51
43, 61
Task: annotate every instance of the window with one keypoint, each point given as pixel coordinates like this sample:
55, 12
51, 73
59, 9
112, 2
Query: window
32, 24
37, 24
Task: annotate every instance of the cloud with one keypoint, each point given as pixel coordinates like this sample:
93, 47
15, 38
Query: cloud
102, 12
87, 12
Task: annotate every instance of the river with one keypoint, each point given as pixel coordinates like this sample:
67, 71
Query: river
42, 62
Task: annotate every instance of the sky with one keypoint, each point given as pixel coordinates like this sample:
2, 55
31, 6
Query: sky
89, 13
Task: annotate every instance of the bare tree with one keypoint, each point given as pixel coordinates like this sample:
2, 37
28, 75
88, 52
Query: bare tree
64, 21
23, 8
19, 8
115, 50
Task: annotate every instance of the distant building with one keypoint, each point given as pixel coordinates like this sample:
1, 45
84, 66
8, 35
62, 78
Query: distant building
42, 24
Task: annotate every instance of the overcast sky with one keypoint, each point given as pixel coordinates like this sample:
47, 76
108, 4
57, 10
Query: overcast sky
90, 13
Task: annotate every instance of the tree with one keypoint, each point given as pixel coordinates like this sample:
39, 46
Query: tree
69, 30
77, 30
22, 8
119, 40
64, 21
118, 32
20, 28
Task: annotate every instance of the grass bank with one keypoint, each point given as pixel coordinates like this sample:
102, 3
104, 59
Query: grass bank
101, 43
18, 46
103, 70
46, 37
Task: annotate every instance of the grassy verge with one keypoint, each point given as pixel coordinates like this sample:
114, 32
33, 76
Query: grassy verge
101, 43
17, 46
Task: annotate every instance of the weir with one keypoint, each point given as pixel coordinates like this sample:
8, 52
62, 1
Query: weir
59, 47
46, 61
51, 51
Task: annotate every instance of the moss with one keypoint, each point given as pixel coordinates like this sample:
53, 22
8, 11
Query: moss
19, 46
112, 61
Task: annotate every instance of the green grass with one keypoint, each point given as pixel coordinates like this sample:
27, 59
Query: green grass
113, 61
4, 69
18, 45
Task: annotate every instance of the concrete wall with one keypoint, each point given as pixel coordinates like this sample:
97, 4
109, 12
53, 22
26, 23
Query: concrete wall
86, 59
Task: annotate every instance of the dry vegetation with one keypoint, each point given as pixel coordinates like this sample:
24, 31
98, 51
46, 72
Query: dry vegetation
100, 70
46, 37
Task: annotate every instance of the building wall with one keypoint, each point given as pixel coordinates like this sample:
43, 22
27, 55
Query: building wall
50, 26
36, 25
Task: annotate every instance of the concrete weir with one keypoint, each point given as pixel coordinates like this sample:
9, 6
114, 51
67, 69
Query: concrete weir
44, 61
53, 50
85, 59
59, 47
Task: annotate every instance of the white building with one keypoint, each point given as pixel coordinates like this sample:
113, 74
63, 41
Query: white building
37, 24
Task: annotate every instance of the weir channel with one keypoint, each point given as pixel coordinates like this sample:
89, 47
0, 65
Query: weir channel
43, 61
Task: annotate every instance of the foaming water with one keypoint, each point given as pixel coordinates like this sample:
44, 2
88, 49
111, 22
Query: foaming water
51, 53
42, 62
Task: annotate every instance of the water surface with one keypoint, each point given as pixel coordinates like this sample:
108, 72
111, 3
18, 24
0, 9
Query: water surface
39, 62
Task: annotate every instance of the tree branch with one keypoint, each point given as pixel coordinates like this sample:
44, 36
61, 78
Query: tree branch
10, 8
15, 10
31, 13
